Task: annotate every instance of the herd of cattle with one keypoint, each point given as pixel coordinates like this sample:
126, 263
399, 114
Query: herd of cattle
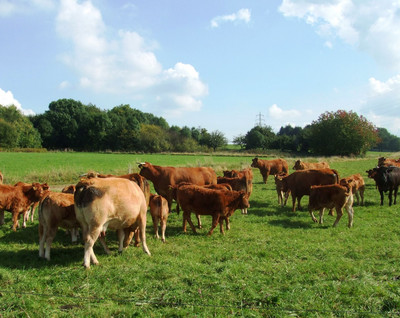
98, 202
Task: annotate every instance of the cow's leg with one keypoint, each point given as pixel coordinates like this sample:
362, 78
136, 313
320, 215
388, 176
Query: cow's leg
25, 217
163, 227
357, 194
155, 226
361, 191
313, 217
298, 202
102, 239
381, 192
51, 233
42, 238
350, 213
395, 194
339, 212
221, 225
186, 216
321, 215
390, 197
142, 230
1, 217
215, 220
265, 177
90, 238
228, 226
74, 234
121, 236
294, 203
15, 216
198, 221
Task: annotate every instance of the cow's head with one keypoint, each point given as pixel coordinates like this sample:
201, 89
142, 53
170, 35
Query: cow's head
254, 164
298, 165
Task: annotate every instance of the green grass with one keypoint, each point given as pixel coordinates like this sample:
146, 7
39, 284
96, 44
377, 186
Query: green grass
272, 263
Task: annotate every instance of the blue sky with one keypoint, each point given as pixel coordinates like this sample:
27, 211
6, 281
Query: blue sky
210, 64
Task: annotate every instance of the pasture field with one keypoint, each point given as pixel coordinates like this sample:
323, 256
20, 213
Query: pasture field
272, 263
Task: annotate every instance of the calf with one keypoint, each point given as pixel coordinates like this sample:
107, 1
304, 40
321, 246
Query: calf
114, 203
387, 179
18, 199
357, 184
159, 213
219, 204
282, 195
238, 184
55, 210
331, 196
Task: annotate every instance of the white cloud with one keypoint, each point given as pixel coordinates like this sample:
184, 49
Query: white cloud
243, 15
7, 99
372, 26
10, 7
278, 117
126, 63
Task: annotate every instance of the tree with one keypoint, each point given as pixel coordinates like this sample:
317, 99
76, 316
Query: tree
240, 141
16, 130
153, 139
217, 139
341, 133
259, 137
387, 141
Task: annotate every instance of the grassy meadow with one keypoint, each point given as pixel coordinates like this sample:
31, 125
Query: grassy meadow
272, 263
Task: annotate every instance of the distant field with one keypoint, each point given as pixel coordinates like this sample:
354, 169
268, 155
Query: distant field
272, 263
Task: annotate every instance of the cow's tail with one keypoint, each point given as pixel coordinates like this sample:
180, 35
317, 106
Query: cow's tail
336, 175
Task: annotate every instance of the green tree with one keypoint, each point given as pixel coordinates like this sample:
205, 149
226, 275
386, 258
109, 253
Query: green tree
16, 130
153, 139
259, 137
217, 139
240, 141
387, 141
341, 133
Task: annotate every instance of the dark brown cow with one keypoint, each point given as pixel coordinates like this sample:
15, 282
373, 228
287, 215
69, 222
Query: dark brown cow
382, 161
114, 203
55, 210
300, 182
268, 167
301, 165
238, 184
18, 199
159, 213
356, 181
331, 196
219, 204
163, 177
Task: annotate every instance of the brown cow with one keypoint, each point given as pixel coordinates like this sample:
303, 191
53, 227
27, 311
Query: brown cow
331, 196
382, 161
268, 167
219, 204
163, 177
159, 213
55, 210
114, 203
18, 199
300, 182
238, 184
282, 196
301, 165
357, 184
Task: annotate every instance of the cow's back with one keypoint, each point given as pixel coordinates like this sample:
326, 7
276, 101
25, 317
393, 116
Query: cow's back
300, 182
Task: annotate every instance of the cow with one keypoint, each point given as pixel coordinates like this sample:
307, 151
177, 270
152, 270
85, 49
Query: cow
30, 212
69, 189
159, 213
220, 204
356, 181
301, 165
387, 178
382, 161
282, 196
331, 196
135, 177
114, 203
268, 167
163, 177
18, 199
55, 210
238, 184
221, 186
299, 182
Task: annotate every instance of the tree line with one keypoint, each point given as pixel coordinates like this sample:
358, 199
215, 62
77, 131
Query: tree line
69, 124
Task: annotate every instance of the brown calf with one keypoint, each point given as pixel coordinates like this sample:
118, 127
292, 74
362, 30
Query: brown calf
159, 213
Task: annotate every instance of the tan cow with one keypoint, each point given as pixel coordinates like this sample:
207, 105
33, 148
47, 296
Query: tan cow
114, 203
331, 196
282, 195
159, 213
301, 165
55, 210
356, 181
